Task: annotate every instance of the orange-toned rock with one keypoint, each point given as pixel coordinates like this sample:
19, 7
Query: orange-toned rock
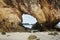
45, 11
10, 20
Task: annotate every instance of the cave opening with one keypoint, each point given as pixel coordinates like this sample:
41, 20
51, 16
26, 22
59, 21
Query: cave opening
28, 20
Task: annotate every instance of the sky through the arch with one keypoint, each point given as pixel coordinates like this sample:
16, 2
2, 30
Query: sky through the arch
28, 19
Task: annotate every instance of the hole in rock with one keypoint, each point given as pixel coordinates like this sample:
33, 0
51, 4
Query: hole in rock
28, 20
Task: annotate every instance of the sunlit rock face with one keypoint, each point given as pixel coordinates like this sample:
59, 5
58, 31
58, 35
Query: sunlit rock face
45, 11
10, 20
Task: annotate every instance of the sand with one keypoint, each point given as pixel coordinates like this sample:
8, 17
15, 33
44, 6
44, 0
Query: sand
25, 35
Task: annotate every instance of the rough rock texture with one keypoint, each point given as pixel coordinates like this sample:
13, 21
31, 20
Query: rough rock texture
45, 11
9, 20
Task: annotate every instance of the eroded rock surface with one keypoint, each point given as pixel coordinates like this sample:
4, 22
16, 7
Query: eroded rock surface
46, 12
10, 20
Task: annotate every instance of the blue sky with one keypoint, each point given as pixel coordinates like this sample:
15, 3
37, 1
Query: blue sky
28, 19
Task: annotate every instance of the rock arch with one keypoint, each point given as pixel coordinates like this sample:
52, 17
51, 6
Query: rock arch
45, 11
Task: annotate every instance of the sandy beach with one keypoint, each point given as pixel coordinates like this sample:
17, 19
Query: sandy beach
25, 35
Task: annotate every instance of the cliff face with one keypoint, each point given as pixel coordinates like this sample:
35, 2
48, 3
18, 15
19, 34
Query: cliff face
45, 11
10, 20
48, 13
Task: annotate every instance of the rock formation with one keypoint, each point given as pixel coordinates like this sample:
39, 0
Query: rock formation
51, 11
10, 20
37, 26
45, 11
46, 27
